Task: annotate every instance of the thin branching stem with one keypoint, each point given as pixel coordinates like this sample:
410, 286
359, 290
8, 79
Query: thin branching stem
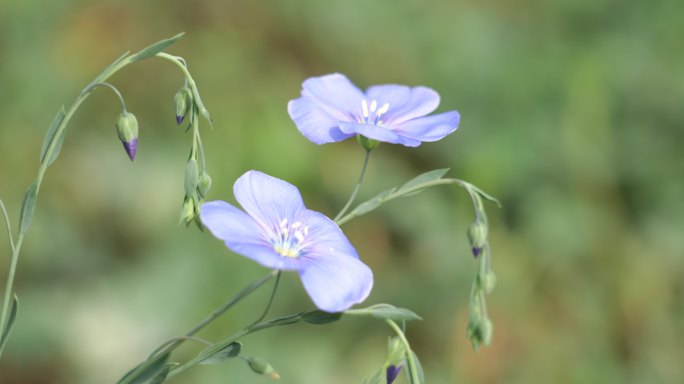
356, 188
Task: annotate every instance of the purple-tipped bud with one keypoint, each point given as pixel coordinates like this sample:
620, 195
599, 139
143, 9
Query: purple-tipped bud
392, 373
183, 102
127, 129
131, 148
477, 235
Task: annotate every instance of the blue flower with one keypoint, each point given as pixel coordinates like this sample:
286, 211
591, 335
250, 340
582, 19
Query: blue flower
332, 109
279, 232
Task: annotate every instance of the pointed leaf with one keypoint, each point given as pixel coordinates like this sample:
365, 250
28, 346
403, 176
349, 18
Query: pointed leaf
155, 48
386, 311
320, 317
10, 322
212, 357
51, 136
28, 205
419, 370
373, 203
147, 370
421, 179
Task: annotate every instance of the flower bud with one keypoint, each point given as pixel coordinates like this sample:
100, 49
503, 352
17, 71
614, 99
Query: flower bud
480, 332
262, 367
127, 129
204, 184
183, 101
187, 211
392, 373
477, 235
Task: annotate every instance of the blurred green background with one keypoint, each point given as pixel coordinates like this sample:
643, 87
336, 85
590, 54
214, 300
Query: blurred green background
571, 114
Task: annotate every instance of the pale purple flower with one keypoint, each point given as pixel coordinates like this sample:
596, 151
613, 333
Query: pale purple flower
279, 232
332, 108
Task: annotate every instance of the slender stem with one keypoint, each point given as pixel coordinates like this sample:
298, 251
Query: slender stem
356, 188
216, 313
113, 88
39, 179
9, 225
409, 354
270, 300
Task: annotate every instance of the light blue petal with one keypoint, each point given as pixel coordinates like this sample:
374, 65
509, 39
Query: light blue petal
314, 122
378, 133
334, 92
243, 235
429, 128
405, 103
323, 236
267, 199
337, 281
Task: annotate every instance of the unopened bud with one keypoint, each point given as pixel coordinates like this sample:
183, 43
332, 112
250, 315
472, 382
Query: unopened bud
183, 101
262, 367
127, 130
204, 184
191, 177
480, 331
187, 211
395, 350
392, 373
477, 235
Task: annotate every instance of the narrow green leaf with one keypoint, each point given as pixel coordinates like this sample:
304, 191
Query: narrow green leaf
284, 320
161, 376
228, 352
385, 311
155, 48
422, 179
419, 370
147, 370
10, 322
373, 203
28, 205
320, 317
377, 378
106, 72
50, 136
200, 105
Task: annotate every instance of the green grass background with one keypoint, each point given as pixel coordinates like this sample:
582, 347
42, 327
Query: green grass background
571, 115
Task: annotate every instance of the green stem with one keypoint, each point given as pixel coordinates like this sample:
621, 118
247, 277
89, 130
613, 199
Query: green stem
113, 88
8, 224
409, 354
118, 65
270, 300
170, 346
406, 192
356, 188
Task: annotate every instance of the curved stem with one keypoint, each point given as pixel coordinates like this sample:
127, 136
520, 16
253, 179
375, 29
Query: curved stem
52, 146
270, 300
170, 346
356, 188
113, 88
406, 192
409, 353
8, 224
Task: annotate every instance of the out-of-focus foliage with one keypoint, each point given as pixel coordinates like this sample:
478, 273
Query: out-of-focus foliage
571, 115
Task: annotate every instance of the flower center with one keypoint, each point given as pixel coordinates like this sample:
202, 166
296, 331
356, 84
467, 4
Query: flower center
290, 238
372, 114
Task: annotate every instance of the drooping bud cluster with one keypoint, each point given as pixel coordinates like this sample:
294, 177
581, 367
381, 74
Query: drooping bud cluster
197, 184
127, 129
480, 328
